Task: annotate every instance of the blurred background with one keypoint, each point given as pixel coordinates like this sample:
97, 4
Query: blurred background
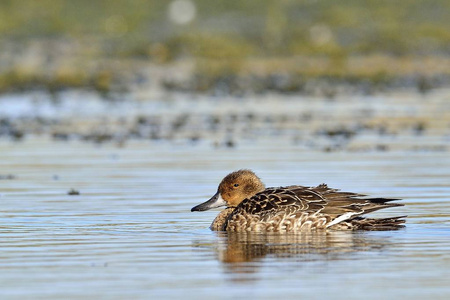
114, 70
232, 47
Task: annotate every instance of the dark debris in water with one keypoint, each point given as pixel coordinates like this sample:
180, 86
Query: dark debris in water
339, 132
7, 177
303, 127
73, 192
419, 128
10, 129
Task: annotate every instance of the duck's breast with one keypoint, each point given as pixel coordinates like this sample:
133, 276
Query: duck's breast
280, 222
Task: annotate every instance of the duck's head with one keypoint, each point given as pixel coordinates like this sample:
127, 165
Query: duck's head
234, 188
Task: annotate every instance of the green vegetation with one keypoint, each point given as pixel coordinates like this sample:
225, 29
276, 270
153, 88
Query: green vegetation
65, 43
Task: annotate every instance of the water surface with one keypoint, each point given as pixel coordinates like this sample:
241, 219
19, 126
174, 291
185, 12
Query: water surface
130, 232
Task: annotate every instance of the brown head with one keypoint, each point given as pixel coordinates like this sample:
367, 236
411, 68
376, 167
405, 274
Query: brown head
234, 188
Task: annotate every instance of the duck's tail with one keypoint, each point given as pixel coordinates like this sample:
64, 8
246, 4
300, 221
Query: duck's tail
360, 223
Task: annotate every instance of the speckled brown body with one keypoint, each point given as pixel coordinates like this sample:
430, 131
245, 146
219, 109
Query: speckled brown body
221, 220
294, 208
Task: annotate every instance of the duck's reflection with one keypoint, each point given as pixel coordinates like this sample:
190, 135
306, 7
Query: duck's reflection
235, 249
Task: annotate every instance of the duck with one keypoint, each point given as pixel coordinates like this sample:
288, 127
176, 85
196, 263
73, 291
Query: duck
251, 207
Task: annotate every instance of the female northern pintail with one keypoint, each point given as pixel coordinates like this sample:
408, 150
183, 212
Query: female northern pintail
252, 207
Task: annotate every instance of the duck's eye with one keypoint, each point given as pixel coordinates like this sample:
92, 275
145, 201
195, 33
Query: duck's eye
236, 184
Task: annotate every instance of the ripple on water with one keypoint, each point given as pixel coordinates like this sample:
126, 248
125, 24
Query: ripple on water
130, 232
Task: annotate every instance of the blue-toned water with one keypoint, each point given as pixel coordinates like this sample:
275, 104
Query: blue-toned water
130, 233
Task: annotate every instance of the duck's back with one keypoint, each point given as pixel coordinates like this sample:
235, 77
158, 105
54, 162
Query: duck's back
297, 208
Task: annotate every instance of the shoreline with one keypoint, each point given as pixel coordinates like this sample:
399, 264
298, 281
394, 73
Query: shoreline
404, 120
316, 76
58, 64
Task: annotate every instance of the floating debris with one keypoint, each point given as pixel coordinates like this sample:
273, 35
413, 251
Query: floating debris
230, 143
342, 124
60, 136
73, 192
419, 128
7, 177
382, 147
339, 132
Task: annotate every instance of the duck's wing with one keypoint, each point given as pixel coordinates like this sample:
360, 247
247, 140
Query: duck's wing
282, 200
334, 204
339, 203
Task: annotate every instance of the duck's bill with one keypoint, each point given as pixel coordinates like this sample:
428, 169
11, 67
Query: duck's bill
215, 201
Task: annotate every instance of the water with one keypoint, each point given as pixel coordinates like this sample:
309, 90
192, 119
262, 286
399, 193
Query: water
130, 232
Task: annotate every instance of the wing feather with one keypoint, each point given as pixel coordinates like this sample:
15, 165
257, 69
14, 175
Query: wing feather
294, 201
